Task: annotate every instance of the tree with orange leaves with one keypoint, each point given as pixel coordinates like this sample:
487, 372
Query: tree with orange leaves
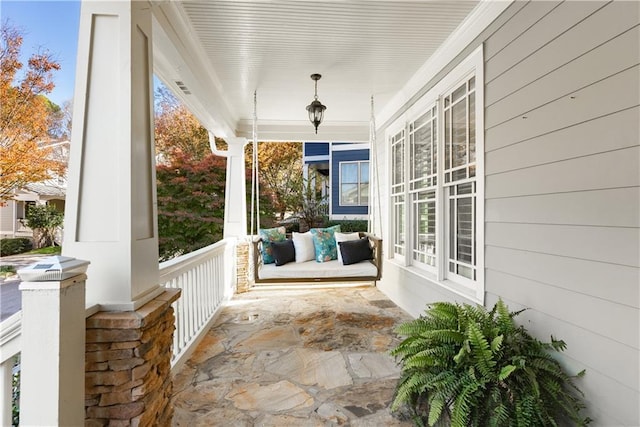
25, 117
280, 173
178, 132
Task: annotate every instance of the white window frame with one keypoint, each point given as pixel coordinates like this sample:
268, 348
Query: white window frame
358, 184
398, 250
472, 66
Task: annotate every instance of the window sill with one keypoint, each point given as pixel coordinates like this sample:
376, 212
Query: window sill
457, 288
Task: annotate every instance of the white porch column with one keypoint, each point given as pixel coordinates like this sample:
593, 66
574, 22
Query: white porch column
110, 216
53, 346
235, 198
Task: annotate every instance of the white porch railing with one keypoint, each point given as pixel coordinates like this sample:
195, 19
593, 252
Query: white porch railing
9, 350
207, 278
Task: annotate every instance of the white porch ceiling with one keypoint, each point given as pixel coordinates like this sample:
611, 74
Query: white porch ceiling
224, 50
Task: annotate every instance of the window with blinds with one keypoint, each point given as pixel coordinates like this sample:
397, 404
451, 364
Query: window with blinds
423, 155
436, 196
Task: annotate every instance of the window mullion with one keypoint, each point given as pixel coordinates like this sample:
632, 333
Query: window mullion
468, 129
408, 215
441, 231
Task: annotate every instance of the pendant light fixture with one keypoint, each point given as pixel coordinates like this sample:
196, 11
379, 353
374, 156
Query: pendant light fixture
316, 109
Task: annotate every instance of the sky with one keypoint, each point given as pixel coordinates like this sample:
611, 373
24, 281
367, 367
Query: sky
50, 25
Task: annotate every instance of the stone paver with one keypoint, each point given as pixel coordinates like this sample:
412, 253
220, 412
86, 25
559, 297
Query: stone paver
315, 357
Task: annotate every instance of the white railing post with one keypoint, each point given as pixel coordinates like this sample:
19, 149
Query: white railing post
53, 348
10, 346
6, 391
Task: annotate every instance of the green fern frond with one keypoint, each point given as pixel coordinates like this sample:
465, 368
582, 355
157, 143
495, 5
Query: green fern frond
463, 404
481, 350
414, 328
443, 310
499, 416
558, 345
504, 318
447, 336
465, 350
436, 406
409, 388
496, 344
505, 372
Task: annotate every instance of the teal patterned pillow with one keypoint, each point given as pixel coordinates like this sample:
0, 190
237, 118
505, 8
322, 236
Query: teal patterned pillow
268, 236
324, 241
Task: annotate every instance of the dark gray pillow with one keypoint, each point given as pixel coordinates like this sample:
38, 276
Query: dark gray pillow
283, 252
354, 251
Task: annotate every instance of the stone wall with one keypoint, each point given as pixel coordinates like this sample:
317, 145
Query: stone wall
243, 266
128, 365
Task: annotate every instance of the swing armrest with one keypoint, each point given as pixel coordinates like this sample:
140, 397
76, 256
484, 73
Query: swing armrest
257, 253
376, 246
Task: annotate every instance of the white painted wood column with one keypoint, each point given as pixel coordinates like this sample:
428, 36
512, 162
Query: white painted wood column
235, 198
53, 346
110, 216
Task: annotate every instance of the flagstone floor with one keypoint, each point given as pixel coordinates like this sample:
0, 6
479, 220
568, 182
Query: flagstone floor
311, 357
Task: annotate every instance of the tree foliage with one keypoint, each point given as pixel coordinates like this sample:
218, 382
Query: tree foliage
44, 220
190, 203
26, 115
280, 174
178, 132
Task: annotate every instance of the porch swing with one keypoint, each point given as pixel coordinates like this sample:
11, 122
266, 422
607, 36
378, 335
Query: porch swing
359, 256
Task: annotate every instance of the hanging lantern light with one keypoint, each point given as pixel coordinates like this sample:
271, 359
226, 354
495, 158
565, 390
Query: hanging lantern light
316, 109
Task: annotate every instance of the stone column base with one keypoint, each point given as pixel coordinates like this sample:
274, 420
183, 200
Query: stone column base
128, 365
242, 266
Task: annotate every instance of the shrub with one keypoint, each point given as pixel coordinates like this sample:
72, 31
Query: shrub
466, 366
7, 269
15, 246
350, 226
44, 220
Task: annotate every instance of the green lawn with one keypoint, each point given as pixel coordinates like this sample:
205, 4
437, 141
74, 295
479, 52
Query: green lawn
49, 250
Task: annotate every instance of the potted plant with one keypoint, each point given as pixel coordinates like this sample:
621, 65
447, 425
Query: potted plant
466, 366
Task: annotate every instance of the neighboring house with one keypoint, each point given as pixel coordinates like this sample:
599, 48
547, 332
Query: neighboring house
50, 192
346, 168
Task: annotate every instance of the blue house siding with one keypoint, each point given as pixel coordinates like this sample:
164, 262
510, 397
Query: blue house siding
336, 158
315, 149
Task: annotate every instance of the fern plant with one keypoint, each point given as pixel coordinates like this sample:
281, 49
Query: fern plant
466, 366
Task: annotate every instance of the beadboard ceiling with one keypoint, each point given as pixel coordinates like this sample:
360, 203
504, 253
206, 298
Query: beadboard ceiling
227, 49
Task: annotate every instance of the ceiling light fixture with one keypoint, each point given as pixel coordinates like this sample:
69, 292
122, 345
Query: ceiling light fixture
316, 109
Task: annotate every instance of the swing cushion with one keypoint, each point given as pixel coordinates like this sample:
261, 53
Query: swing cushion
270, 235
324, 241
